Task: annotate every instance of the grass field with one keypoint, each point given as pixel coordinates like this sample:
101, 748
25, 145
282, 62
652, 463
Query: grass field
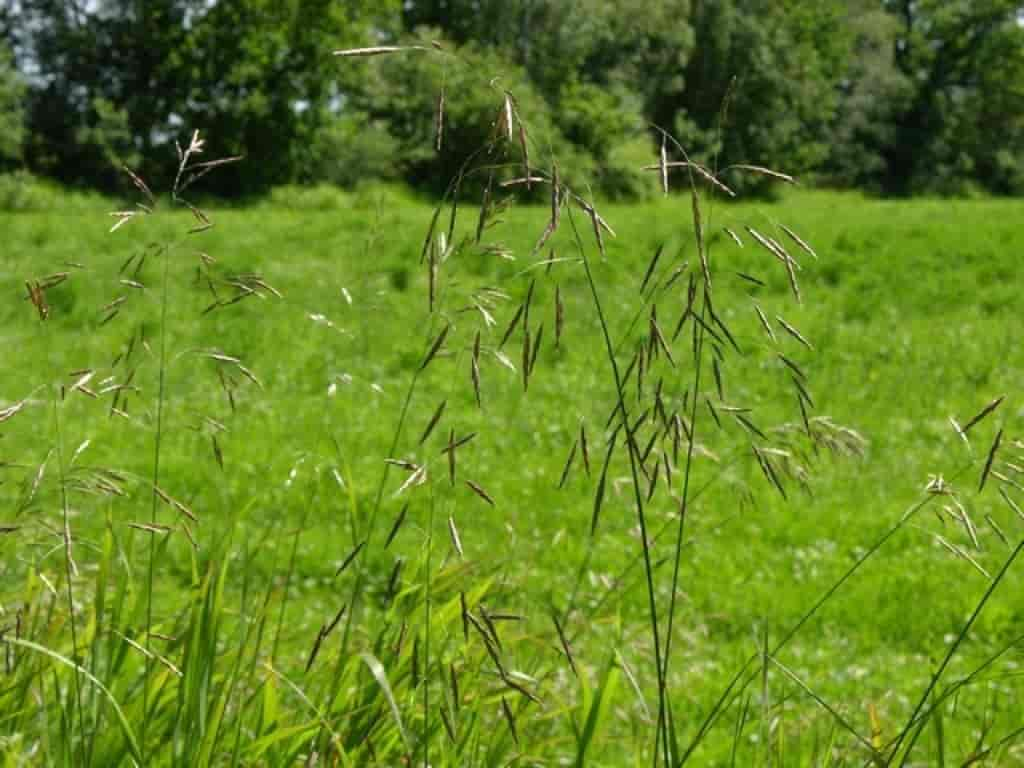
913, 313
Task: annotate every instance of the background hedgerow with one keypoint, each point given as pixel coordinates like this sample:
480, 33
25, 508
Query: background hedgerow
897, 98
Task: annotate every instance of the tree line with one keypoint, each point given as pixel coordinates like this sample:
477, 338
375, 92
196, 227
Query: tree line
890, 96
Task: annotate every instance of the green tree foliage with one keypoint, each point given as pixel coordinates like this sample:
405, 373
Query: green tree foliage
872, 94
760, 85
402, 92
640, 45
264, 79
350, 149
118, 79
965, 60
605, 67
894, 96
106, 81
12, 114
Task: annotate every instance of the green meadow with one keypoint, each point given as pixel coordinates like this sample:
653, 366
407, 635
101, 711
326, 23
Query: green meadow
278, 361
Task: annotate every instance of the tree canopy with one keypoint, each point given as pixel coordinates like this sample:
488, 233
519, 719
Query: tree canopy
894, 96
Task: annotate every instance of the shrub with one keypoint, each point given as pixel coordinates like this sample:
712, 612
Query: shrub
595, 118
12, 112
402, 93
351, 149
20, 191
620, 176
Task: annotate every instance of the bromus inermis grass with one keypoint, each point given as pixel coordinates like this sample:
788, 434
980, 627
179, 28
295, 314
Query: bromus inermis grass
505, 570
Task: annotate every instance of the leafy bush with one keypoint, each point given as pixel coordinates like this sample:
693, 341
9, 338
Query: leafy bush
352, 149
401, 92
621, 177
20, 191
12, 111
314, 197
595, 118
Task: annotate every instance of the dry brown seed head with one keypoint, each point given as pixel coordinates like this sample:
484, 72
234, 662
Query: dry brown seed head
714, 413
556, 196
602, 481
583, 445
568, 464
559, 316
502, 358
123, 217
780, 248
52, 281
660, 338
651, 266
150, 527
454, 532
983, 413
668, 469
524, 148
249, 375
676, 274
458, 443
653, 485
475, 375
641, 364
434, 419
765, 324
764, 172
793, 332
768, 244
990, 459
527, 304
751, 279
1011, 503
963, 555
997, 529
663, 166
435, 347
507, 116
703, 172
11, 411
140, 184
536, 347
485, 207
439, 121
800, 243
38, 298
526, 359
396, 525
447, 723
454, 679
565, 644
520, 689
377, 50
512, 325
698, 229
479, 491
511, 720
418, 477
217, 454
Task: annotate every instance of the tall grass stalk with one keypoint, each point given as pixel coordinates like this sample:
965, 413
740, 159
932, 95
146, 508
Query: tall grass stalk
953, 648
154, 496
70, 570
698, 367
728, 698
632, 452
